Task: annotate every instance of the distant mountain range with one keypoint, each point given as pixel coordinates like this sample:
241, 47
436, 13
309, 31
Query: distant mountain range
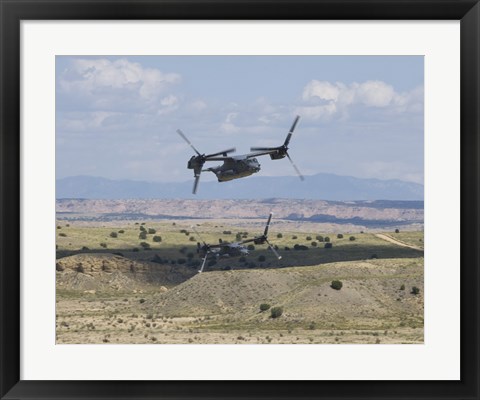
317, 187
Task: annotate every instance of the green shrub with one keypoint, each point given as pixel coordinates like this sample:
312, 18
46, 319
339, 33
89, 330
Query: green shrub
319, 238
327, 239
308, 238
192, 238
314, 244
328, 245
143, 235
145, 245
157, 238
142, 228
294, 237
151, 231
113, 234
352, 238
279, 235
337, 285
415, 290
276, 312
339, 236
84, 248
80, 268
300, 247
397, 230
227, 232
402, 287
264, 306
104, 245
62, 234
251, 247
287, 248
121, 231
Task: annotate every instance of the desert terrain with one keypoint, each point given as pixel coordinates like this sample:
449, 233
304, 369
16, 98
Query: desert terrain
136, 280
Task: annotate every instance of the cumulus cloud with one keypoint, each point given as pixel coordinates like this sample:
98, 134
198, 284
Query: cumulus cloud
323, 100
104, 83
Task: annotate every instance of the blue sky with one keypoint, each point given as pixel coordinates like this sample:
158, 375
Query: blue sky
361, 116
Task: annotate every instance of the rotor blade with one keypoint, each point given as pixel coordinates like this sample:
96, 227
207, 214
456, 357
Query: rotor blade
203, 263
222, 152
274, 251
263, 148
290, 133
188, 141
296, 168
198, 234
195, 183
268, 224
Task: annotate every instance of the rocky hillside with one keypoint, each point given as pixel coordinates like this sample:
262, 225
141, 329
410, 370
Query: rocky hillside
107, 272
371, 292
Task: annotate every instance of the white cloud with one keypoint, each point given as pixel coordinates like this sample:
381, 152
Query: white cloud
104, 83
323, 100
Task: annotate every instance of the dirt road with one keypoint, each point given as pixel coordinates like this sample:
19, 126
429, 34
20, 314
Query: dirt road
397, 242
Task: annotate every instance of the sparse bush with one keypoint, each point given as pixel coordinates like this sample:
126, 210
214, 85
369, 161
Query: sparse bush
62, 234
113, 234
59, 227
227, 232
397, 230
59, 267
238, 236
261, 258
402, 287
415, 290
84, 248
264, 306
300, 247
294, 237
319, 238
312, 326
135, 249
192, 238
142, 228
145, 245
143, 235
308, 238
339, 236
287, 248
250, 247
352, 238
328, 245
327, 239
104, 245
151, 231
337, 285
314, 244
79, 268
279, 235
121, 231
157, 239
276, 312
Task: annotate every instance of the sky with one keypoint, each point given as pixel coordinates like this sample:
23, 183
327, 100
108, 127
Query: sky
361, 116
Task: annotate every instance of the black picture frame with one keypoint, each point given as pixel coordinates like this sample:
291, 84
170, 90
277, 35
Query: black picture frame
14, 11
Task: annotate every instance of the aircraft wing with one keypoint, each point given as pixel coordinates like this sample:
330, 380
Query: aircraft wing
259, 153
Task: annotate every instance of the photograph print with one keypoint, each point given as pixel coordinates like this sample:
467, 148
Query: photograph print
239, 199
